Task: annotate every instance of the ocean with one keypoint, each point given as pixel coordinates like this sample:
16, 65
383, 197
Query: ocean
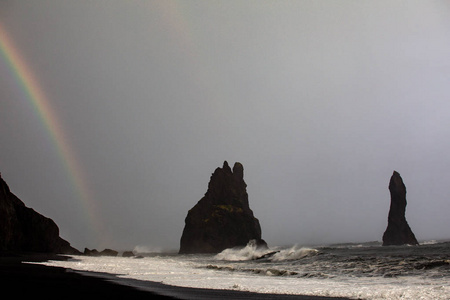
360, 271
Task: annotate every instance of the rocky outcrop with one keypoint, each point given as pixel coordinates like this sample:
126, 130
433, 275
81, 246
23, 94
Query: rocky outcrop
95, 252
398, 231
23, 229
222, 218
128, 254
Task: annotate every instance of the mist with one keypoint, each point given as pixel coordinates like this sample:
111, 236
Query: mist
320, 101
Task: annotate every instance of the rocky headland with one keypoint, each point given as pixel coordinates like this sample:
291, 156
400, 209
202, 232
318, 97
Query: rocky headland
398, 231
222, 218
24, 230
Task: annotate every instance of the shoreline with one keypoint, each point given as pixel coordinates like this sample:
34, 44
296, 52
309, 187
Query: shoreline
24, 279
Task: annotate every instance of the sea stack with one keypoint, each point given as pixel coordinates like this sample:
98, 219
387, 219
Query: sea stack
24, 230
222, 218
398, 231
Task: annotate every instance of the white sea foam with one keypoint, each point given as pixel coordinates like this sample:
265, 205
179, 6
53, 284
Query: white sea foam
145, 249
190, 271
431, 242
292, 253
249, 252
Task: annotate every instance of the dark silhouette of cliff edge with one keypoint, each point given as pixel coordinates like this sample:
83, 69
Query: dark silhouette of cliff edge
24, 230
222, 218
398, 231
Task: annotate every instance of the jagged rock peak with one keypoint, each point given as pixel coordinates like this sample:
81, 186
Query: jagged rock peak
398, 231
226, 167
238, 170
222, 218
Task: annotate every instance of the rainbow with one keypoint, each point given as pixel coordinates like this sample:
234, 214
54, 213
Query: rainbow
36, 97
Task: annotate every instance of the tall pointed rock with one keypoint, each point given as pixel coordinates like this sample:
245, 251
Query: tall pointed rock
222, 218
398, 231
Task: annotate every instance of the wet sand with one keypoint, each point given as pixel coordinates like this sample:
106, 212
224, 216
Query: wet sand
19, 278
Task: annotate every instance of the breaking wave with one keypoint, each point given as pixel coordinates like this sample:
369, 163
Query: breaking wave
249, 252
293, 253
252, 252
344, 270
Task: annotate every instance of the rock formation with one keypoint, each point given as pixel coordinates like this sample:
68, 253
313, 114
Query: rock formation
222, 218
24, 230
398, 231
95, 252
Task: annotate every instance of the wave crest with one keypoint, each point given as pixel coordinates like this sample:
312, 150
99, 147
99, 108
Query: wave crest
252, 252
293, 253
249, 252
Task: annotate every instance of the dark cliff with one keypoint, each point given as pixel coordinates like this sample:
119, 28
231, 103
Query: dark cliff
24, 230
398, 231
222, 218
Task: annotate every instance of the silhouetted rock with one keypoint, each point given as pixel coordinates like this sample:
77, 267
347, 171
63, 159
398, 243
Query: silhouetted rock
23, 229
398, 231
89, 252
222, 218
109, 252
127, 254
95, 252
261, 244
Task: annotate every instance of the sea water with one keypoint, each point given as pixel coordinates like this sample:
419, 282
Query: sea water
365, 271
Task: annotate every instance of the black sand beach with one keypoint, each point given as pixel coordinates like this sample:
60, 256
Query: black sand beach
19, 278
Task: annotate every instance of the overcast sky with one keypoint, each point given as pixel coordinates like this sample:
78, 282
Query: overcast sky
319, 100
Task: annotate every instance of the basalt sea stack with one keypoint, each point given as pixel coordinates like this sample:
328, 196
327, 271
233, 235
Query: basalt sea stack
24, 230
222, 218
398, 231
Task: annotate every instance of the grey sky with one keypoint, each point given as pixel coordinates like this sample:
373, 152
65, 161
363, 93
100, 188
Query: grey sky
319, 100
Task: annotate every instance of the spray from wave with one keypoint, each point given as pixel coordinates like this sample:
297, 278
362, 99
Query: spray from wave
146, 250
252, 252
293, 253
